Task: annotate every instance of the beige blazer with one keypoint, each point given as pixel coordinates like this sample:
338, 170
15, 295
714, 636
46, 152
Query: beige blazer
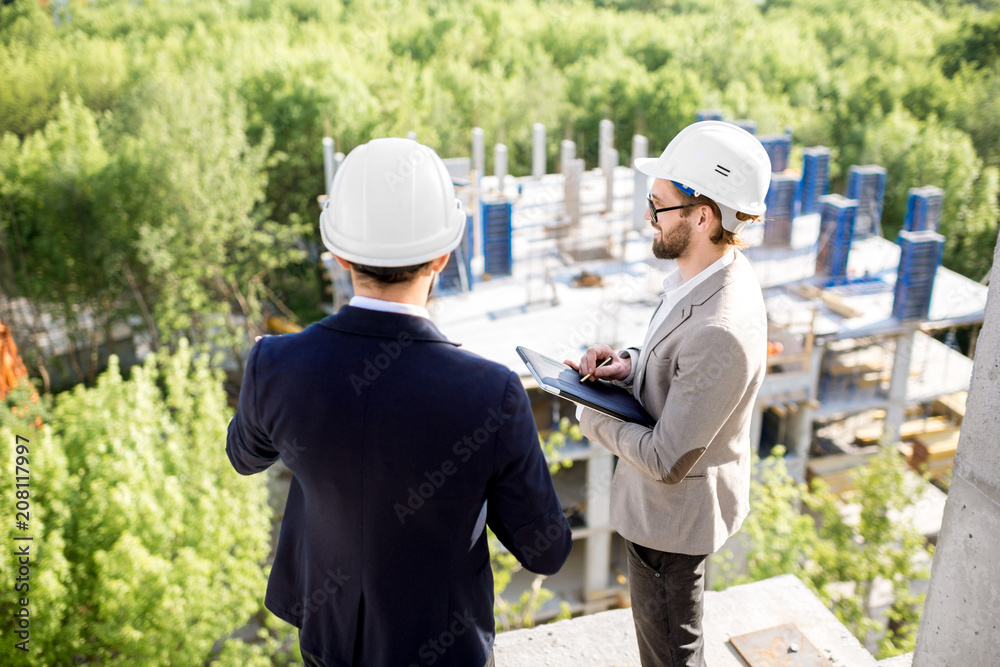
684, 485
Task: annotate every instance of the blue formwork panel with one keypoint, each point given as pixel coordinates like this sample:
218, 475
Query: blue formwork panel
778, 147
497, 247
923, 209
746, 124
836, 232
709, 114
815, 178
919, 258
867, 184
450, 278
780, 201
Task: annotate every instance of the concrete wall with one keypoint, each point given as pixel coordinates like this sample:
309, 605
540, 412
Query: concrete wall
961, 619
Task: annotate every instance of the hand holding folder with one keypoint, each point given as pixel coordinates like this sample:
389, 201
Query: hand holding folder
563, 381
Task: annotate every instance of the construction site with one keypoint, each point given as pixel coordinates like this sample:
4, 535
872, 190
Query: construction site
861, 329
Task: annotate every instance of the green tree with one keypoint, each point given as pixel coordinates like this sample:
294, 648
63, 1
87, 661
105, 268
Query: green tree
149, 548
931, 153
841, 560
56, 245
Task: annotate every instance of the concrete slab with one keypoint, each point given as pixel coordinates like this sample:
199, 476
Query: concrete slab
608, 639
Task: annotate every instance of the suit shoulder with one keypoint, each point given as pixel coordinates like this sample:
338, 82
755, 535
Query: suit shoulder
481, 364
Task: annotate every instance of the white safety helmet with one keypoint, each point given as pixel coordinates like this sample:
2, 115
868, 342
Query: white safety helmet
719, 160
392, 204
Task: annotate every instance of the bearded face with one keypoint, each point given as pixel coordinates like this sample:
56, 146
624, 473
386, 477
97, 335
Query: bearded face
673, 243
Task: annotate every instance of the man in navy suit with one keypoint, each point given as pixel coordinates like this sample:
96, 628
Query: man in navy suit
402, 446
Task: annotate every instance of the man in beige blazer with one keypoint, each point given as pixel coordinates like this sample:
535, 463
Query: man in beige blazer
681, 489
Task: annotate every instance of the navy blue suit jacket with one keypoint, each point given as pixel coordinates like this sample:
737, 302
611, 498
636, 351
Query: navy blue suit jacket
396, 439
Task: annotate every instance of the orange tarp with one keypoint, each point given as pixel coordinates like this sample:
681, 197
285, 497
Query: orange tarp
11, 366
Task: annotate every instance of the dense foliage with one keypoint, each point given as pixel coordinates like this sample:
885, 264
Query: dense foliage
161, 160
147, 548
843, 549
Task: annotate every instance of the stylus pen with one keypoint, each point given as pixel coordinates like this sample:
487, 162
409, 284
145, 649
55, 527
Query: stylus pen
587, 376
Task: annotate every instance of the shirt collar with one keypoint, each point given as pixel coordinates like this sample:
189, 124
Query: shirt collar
674, 281
369, 303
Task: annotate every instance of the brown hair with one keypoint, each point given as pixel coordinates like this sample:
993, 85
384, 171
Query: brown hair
720, 236
388, 275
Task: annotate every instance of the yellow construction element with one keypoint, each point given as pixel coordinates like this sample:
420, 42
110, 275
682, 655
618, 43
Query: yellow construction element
934, 453
832, 301
282, 325
837, 469
952, 405
870, 435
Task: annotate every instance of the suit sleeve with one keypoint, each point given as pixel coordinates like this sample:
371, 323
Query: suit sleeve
713, 374
248, 444
522, 509
633, 355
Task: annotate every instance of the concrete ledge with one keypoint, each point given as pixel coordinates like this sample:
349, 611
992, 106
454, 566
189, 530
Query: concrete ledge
607, 639
905, 660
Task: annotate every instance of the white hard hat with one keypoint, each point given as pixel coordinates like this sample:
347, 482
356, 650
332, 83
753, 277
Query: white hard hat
719, 160
392, 204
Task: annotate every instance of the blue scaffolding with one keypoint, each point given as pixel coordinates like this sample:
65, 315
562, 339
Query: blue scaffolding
923, 209
867, 185
836, 232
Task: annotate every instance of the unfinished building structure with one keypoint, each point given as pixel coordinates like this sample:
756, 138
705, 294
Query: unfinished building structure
560, 261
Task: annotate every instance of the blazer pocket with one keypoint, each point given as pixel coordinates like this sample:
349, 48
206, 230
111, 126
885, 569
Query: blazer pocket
660, 353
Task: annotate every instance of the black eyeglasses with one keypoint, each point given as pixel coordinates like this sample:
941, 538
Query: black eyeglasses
653, 210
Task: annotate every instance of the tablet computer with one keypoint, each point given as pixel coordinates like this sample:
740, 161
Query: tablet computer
559, 379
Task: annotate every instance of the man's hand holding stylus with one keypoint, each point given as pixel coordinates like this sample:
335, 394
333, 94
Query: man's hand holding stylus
617, 369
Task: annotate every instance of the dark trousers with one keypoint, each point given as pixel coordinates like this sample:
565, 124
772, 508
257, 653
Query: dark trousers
667, 591
312, 661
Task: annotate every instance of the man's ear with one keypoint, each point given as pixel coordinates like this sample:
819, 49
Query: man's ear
438, 263
705, 218
344, 264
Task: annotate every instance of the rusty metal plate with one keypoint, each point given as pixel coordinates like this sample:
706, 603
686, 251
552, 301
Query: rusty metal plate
781, 646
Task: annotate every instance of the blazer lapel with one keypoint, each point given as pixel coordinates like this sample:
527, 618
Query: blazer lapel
678, 315
682, 311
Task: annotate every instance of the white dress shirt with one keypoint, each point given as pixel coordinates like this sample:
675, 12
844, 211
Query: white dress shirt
675, 288
388, 306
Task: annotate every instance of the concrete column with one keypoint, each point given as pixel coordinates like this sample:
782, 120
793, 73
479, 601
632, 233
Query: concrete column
598, 543
961, 619
640, 148
610, 162
500, 164
567, 154
328, 170
411, 135
574, 175
895, 413
800, 432
538, 150
606, 141
479, 151
805, 433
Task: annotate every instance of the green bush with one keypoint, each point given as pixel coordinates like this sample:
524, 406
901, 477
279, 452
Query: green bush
147, 548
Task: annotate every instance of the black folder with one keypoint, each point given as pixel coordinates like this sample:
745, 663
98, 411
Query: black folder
559, 379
